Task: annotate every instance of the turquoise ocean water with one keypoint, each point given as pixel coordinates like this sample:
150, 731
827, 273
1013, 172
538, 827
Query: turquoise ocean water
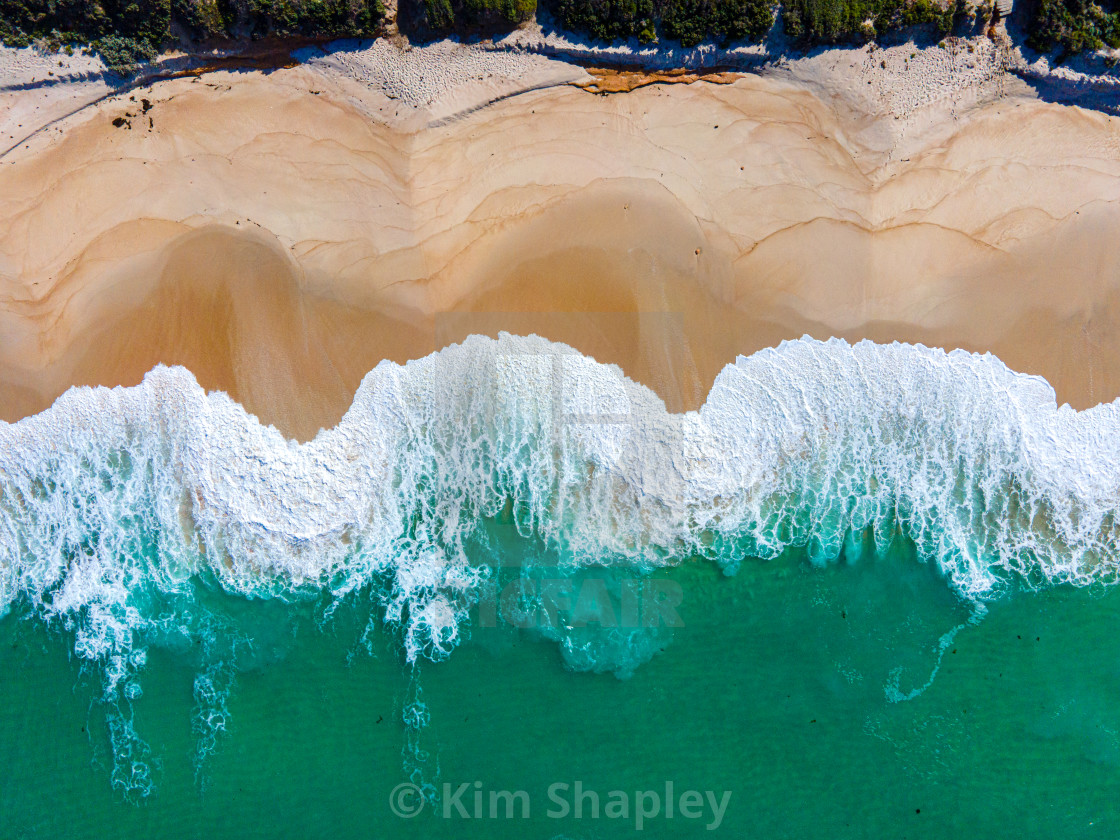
866, 592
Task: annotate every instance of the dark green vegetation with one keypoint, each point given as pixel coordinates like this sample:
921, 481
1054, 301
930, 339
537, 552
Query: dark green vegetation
808, 22
128, 31
687, 21
830, 21
1074, 25
124, 32
446, 16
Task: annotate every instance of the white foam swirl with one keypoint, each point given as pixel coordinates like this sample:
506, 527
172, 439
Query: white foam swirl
111, 493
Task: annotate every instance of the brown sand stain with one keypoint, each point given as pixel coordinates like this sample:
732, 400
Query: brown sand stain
613, 80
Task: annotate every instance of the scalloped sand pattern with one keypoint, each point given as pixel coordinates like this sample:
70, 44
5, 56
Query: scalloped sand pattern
278, 234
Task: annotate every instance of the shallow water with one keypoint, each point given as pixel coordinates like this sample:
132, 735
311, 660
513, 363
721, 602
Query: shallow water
776, 687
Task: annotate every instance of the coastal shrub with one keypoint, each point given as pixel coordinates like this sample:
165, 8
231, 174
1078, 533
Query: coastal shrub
446, 16
687, 21
749, 20
22, 21
313, 18
900, 14
831, 21
204, 19
512, 12
1073, 25
826, 21
692, 21
606, 20
126, 32
122, 54
144, 22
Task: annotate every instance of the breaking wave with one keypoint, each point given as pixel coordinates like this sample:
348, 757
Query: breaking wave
115, 504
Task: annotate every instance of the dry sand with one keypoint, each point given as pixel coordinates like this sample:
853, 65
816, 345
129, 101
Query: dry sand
281, 233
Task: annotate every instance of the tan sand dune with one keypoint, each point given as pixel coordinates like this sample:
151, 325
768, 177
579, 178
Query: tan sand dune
280, 242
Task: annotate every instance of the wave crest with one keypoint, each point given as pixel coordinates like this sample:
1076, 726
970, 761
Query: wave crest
112, 495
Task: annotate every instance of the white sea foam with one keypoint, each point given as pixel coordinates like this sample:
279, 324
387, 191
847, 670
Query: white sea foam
111, 494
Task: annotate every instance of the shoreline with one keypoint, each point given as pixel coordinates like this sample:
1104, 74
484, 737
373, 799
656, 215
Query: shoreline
281, 232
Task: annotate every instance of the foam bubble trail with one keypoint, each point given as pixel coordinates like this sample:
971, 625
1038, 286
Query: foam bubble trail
118, 507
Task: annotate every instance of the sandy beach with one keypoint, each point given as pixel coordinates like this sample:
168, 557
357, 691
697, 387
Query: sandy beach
280, 233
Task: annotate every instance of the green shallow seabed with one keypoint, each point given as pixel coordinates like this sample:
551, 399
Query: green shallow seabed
775, 688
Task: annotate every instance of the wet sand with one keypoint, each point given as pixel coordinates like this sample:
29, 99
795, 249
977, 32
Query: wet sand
279, 235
